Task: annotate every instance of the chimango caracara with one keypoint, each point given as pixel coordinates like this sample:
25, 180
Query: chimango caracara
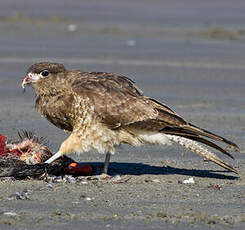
103, 110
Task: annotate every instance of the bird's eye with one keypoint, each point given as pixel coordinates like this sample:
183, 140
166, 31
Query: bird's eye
45, 73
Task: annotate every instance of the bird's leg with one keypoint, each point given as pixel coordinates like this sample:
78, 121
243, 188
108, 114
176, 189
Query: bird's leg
71, 144
104, 175
54, 157
106, 163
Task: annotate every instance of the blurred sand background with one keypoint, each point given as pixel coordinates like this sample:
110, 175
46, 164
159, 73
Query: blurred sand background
189, 54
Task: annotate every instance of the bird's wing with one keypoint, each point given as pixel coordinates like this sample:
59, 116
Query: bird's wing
119, 102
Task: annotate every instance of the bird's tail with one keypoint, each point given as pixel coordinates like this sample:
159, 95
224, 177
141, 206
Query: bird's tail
201, 150
190, 130
213, 136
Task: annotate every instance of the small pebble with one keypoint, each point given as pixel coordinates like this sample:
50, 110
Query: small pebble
10, 213
189, 181
131, 42
116, 178
8, 179
156, 180
69, 179
58, 179
215, 186
72, 27
50, 187
24, 195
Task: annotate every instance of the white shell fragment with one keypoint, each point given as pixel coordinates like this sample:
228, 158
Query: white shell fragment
10, 213
189, 181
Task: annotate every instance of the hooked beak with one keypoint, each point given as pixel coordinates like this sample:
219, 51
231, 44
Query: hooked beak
25, 81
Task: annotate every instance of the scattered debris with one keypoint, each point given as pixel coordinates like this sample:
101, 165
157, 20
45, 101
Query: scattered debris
7, 179
117, 179
169, 162
10, 213
228, 219
86, 197
99, 177
215, 186
83, 182
61, 179
69, 179
57, 179
50, 187
205, 159
152, 180
189, 181
72, 27
131, 42
24, 195
156, 181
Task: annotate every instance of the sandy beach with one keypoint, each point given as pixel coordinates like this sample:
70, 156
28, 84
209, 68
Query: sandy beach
190, 56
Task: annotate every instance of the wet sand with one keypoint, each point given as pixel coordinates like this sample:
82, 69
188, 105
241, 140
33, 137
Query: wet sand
190, 57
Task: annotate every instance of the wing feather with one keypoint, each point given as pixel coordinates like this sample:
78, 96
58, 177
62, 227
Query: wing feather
118, 102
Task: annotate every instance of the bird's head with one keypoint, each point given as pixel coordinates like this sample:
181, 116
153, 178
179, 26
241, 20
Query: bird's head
40, 72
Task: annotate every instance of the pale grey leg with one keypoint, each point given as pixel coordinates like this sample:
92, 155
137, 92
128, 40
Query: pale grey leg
106, 163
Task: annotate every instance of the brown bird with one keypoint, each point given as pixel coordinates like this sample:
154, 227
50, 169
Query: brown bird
103, 110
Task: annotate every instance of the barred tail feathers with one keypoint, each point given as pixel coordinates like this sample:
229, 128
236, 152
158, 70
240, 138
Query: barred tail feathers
201, 150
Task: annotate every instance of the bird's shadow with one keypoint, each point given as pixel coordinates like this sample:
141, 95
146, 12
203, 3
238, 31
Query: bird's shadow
141, 169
